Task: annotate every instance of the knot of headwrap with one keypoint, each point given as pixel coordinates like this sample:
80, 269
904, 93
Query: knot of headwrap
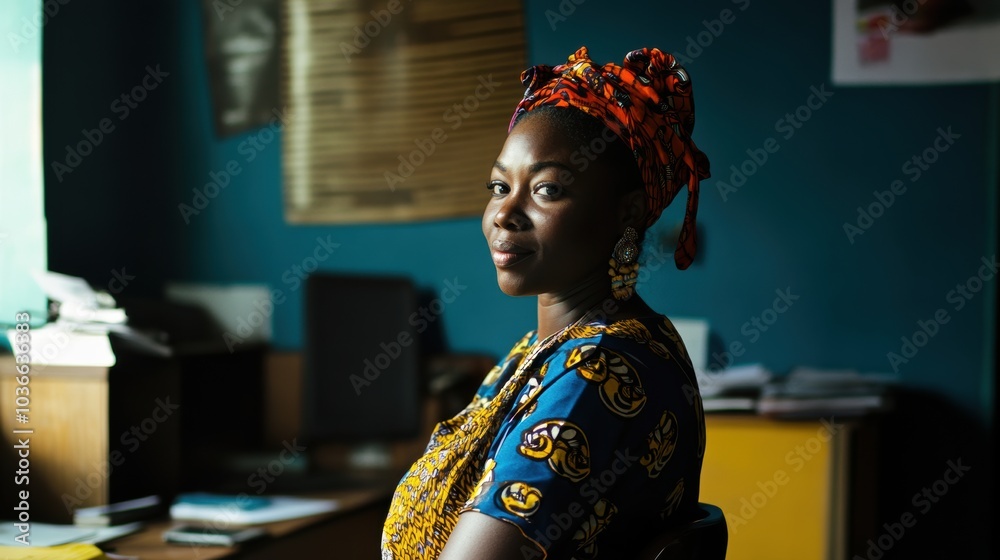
648, 103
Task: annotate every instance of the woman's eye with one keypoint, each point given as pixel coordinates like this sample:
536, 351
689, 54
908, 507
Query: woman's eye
497, 188
549, 190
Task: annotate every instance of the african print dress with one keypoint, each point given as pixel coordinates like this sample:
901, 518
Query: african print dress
589, 447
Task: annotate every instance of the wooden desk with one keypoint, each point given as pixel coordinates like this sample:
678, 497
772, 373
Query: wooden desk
353, 531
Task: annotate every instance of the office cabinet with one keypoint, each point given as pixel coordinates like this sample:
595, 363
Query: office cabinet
98, 434
789, 489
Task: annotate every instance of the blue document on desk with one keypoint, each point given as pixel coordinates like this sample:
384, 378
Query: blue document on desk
242, 509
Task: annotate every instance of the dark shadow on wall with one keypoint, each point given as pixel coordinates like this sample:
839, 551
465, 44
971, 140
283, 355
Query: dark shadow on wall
934, 483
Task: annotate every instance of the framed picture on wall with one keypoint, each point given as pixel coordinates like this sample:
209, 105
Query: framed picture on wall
242, 48
915, 42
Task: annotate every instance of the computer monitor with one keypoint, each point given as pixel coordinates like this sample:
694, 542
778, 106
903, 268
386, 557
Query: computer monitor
361, 360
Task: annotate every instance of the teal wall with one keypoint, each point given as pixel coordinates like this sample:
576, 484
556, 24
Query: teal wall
783, 229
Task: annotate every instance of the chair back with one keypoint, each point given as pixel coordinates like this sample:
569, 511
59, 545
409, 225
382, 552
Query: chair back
705, 538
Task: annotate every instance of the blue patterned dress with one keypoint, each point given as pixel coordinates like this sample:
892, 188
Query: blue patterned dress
586, 447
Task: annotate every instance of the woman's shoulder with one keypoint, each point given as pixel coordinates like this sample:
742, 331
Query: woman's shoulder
636, 369
642, 352
648, 337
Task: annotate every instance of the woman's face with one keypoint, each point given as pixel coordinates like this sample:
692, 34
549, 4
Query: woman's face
551, 220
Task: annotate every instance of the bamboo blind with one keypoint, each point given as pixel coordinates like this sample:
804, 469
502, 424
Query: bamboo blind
396, 116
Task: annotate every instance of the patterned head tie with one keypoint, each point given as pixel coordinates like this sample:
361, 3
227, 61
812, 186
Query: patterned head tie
648, 103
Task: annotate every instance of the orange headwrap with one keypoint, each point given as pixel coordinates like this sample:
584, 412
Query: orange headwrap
648, 103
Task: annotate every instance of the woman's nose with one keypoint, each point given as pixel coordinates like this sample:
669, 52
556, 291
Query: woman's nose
510, 215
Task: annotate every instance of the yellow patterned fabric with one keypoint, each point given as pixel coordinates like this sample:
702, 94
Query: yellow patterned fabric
584, 446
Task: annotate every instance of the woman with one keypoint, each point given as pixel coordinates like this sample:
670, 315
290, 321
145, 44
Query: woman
588, 437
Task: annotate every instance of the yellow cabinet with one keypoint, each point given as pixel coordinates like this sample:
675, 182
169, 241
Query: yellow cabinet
783, 485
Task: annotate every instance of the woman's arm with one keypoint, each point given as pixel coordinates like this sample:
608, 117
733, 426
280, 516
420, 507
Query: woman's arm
482, 537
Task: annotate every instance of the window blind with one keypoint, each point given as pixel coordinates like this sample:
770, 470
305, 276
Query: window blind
395, 109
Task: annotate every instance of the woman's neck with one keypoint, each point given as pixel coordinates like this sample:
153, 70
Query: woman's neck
559, 310
593, 297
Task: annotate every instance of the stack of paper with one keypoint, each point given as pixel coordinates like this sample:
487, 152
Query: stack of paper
808, 392
733, 389
59, 344
79, 335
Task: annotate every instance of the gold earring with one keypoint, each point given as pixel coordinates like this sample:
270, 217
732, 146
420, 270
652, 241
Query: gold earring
624, 269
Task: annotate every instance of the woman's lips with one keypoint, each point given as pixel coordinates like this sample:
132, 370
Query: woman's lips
506, 254
505, 260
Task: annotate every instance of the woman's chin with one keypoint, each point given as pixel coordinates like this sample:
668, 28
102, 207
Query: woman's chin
513, 286
514, 292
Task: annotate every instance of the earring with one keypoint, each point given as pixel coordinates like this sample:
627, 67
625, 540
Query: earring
624, 269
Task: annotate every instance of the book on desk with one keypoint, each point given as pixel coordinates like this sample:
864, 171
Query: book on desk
242, 509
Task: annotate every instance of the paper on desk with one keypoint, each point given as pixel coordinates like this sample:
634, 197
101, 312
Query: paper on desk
46, 534
49, 535
58, 344
734, 378
64, 288
78, 302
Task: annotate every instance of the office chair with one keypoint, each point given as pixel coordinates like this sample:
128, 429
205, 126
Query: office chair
705, 538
